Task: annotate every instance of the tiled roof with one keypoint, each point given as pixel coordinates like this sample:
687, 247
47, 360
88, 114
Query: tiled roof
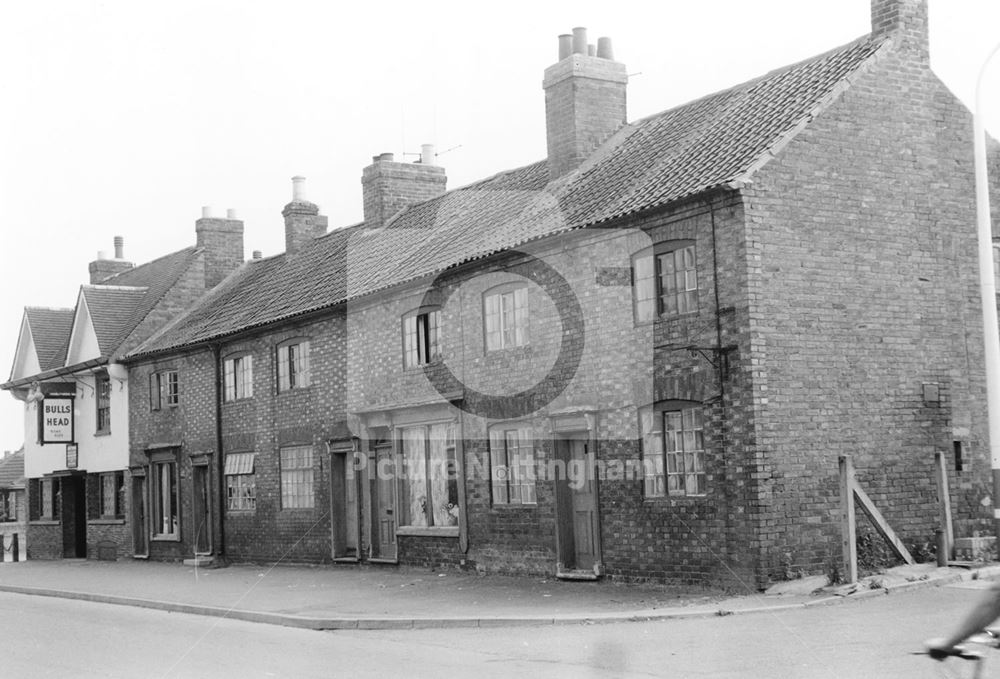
111, 310
716, 141
50, 330
12, 470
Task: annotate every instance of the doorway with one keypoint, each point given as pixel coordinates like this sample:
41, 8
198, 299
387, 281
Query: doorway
344, 484
578, 536
139, 545
384, 517
202, 508
73, 500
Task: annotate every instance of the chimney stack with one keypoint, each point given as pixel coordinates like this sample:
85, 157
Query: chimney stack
303, 222
103, 268
389, 187
584, 100
222, 242
905, 21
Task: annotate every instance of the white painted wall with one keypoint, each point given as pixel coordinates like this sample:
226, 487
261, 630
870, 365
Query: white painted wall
98, 453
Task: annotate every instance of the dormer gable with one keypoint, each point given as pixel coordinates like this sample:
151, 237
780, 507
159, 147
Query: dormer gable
26, 356
83, 344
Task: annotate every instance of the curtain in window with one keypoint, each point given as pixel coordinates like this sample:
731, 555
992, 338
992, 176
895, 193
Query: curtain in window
415, 476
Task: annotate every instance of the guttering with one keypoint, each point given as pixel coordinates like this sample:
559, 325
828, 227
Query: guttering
55, 372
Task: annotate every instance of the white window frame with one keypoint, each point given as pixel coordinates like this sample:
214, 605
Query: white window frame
674, 450
421, 337
665, 281
505, 317
293, 365
512, 466
238, 378
298, 488
241, 482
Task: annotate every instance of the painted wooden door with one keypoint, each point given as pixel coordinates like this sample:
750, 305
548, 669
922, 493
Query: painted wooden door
385, 521
584, 499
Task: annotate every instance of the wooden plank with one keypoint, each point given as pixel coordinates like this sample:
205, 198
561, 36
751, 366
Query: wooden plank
944, 500
848, 527
881, 525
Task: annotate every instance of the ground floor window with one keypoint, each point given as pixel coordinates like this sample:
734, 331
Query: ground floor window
429, 486
297, 489
673, 448
8, 505
44, 499
166, 505
106, 495
512, 466
241, 482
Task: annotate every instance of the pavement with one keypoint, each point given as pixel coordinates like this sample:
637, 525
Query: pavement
390, 597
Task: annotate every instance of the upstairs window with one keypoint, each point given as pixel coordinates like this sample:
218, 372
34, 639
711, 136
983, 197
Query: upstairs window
420, 338
673, 451
164, 389
293, 365
505, 314
238, 376
103, 396
665, 281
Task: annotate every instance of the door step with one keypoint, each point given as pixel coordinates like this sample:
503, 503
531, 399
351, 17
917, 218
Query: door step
576, 574
200, 562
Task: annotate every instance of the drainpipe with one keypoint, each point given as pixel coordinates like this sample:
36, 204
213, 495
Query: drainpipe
221, 458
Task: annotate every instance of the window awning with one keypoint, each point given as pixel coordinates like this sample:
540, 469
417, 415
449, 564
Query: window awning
240, 463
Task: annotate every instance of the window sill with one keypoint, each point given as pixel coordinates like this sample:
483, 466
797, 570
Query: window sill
670, 499
106, 522
103, 432
45, 522
242, 399
294, 390
514, 505
166, 538
428, 531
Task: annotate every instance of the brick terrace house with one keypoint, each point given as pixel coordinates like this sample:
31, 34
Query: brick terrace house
707, 306
76, 393
12, 502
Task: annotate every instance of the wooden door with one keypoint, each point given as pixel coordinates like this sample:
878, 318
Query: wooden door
202, 509
584, 508
385, 503
139, 544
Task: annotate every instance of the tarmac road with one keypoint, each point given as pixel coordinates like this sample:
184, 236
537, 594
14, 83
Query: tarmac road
47, 637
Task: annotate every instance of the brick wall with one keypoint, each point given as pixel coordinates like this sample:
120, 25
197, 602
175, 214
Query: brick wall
389, 186
860, 244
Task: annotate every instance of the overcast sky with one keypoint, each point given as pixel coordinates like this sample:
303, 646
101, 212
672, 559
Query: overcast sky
125, 118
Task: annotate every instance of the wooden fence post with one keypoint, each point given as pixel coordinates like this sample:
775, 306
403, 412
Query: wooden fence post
848, 527
944, 500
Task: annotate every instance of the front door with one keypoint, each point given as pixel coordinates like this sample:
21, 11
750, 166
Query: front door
202, 509
139, 544
73, 501
578, 537
384, 542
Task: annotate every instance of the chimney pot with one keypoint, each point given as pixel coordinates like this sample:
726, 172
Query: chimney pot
386, 156
604, 50
119, 247
231, 213
565, 45
257, 254
102, 255
298, 189
591, 51
580, 40
206, 212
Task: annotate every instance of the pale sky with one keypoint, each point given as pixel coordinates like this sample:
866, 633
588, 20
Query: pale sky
125, 118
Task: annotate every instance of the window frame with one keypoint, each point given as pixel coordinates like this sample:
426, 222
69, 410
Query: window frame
508, 472
237, 377
117, 500
649, 289
291, 360
448, 506
425, 347
512, 320
241, 482
158, 465
102, 403
164, 381
657, 464
300, 476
